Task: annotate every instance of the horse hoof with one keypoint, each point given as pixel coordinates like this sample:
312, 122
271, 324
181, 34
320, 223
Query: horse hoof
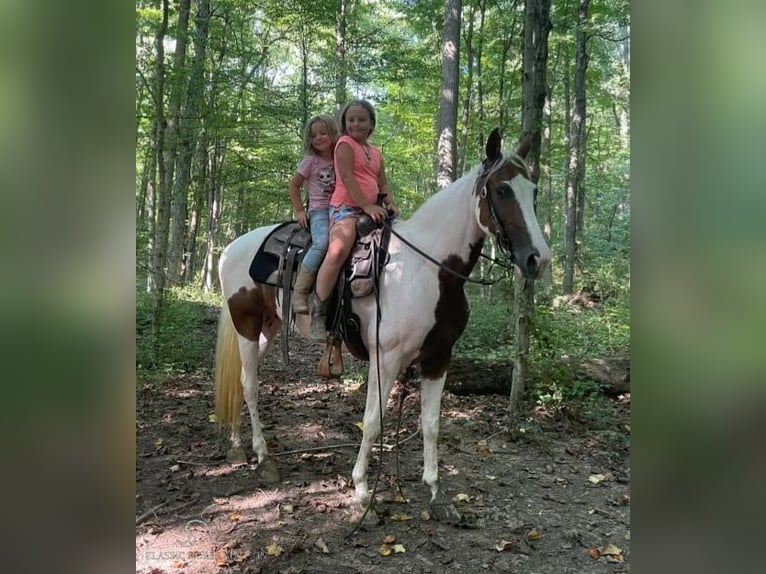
366, 521
443, 510
236, 455
268, 472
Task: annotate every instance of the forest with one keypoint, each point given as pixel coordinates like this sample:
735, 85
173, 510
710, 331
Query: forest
223, 91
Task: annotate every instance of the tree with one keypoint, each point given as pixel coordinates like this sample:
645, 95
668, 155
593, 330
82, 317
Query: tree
537, 25
575, 181
447, 144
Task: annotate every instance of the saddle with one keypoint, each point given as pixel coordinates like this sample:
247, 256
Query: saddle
277, 261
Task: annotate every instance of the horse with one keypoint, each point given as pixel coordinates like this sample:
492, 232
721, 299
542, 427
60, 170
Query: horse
422, 301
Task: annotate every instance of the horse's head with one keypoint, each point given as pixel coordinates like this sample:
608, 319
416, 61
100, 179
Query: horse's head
506, 207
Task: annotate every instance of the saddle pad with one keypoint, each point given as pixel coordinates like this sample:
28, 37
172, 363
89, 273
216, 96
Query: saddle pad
265, 267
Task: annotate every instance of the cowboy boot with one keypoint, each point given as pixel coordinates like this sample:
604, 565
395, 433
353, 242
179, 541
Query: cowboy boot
303, 284
318, 331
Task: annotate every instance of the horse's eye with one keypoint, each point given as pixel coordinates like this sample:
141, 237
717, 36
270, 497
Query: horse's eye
502, 190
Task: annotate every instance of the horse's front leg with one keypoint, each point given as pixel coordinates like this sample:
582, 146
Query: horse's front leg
430, 406
377, 395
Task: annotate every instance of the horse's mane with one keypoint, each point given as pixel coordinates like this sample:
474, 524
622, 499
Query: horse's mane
471, 176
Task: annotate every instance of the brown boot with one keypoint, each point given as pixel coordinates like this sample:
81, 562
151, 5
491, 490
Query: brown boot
318, 331
303, 284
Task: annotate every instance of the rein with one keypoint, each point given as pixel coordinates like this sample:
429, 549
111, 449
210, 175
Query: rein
439, 264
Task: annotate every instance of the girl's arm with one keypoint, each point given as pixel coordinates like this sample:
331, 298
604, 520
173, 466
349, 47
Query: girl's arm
295, 198
385, 189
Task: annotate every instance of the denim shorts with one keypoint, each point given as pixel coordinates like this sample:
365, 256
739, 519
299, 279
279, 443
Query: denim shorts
338, 213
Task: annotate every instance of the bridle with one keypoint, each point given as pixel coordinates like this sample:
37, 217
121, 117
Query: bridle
501, 235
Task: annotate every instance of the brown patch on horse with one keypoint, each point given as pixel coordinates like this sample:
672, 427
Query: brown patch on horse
501, 176
451, 315
252, 309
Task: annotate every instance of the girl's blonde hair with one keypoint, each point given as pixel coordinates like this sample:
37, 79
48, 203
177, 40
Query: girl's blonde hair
329, 122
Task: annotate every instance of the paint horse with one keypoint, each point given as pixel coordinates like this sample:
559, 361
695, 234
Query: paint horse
424, 309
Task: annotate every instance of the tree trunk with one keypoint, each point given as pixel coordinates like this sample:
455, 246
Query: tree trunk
340, 54
479, 84
214, 209
148, 178
535, 58
446, 144
174, 136
468, 88
576, 166
189, 129
159, 237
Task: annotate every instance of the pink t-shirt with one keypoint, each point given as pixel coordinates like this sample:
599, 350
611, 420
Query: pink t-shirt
320, 176
366, 170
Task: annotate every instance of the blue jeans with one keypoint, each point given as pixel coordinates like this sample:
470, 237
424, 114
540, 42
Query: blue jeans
319, 224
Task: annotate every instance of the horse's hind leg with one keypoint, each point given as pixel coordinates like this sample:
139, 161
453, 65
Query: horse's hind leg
251, 357
430, 406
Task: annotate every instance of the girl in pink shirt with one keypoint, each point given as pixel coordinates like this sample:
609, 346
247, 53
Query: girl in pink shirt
361, 176
318, 172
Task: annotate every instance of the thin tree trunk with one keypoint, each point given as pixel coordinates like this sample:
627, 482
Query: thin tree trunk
148, 177
188, 130
479, 84
159, 237
469, 86
340, 54
576, 167
210, 272
174, 136
446, 143
535, 59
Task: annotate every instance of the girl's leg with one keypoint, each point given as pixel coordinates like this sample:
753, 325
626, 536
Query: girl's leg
320, 233
342, 235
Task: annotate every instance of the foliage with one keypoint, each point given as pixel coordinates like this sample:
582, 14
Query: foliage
271, 64
187, 340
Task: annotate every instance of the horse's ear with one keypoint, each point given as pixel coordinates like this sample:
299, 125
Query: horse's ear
493, 147
525, 145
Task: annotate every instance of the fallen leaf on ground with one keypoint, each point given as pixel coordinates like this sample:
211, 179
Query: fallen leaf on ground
212, 418
461, 498
503, 545
598, 478
593, 552
274, 549
401, 517
611, 550
221, 557
534, 534
235, 516
389, 539
179, 564
385, 550
399, 549
360, 426
400, 499
425, 515
322, 546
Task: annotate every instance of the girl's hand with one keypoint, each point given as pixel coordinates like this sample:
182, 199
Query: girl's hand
376, 212
303, 219
391, 207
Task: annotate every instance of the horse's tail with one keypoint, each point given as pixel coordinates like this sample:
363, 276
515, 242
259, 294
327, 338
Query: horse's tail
228, 369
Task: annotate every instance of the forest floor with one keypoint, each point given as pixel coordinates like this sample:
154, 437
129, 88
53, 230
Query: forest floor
553, 500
